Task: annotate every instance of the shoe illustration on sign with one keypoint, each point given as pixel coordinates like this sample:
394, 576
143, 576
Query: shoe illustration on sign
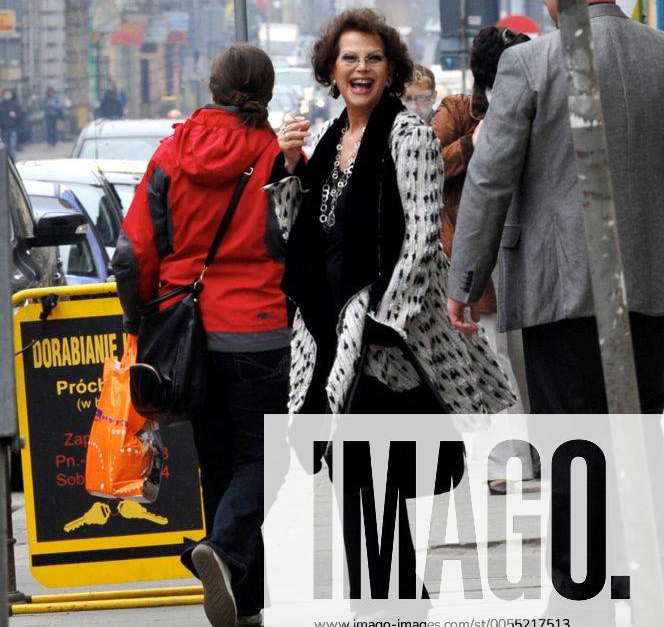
99, 514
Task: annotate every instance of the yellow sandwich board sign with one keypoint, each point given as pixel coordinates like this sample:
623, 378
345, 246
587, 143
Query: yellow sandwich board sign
76, 539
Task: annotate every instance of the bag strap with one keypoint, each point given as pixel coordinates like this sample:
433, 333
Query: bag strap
197, 285
225, 222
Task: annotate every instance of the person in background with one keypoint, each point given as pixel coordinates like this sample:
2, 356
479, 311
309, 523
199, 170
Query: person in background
420, 95
10, 120
111, 106
165, 237
52, 108
457, 123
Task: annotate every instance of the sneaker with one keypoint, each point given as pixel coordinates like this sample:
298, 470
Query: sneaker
255, 620
218, 601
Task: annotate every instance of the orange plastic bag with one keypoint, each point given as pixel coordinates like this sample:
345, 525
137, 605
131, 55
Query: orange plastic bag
125, 454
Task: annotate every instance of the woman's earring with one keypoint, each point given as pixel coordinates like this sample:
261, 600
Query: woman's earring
334, 90
389, 82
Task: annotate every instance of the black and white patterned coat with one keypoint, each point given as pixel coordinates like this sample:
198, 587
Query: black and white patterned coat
465, 374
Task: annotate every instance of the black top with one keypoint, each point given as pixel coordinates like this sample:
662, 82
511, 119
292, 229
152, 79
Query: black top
332, 266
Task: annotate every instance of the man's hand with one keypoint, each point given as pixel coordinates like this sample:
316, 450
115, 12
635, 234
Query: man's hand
476, 133
455, 310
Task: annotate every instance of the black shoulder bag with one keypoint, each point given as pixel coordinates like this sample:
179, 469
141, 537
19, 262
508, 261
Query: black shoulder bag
169, 380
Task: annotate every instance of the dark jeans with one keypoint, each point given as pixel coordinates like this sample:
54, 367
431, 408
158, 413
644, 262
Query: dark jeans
10, 137
229, 441
564, 374
51, 124
564, 368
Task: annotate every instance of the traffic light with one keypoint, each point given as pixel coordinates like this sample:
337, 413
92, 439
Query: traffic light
451, 46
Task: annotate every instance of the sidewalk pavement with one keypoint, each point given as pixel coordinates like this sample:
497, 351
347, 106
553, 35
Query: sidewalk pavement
189, 616
455, 606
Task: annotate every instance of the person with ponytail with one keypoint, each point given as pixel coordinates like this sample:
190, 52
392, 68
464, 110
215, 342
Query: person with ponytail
165, 237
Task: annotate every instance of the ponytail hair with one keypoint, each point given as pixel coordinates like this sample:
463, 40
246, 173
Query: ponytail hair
243, 76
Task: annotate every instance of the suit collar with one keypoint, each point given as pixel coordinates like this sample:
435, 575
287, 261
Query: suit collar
604, 9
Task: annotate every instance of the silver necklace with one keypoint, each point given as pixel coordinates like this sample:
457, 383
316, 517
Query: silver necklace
335, 185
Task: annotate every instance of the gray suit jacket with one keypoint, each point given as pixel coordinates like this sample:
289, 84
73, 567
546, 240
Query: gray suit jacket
522, 179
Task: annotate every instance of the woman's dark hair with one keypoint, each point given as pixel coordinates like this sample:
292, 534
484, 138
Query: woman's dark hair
326, 48
488, 45
243, 76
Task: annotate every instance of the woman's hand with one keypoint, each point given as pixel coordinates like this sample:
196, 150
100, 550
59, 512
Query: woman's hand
292, 135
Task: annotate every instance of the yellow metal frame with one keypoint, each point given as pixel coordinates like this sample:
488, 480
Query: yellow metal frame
94, 289
86, 573
109, 600
112, 604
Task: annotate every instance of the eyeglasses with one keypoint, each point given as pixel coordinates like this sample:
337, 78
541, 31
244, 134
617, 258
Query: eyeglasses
353, 60
419, 99
508, 36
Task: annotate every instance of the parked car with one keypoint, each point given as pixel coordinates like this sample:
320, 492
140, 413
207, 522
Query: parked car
85, 261
122, 139
34, 241
123, 175
91, 187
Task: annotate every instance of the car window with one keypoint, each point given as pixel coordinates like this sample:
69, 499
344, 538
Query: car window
119, 148
99, 208
126, 194
21, 210
77, 259
43, 204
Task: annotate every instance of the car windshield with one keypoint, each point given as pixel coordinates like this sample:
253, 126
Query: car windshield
99, 208
294, 78
119, 147
43, 204
77, 259
283, 101
126, 194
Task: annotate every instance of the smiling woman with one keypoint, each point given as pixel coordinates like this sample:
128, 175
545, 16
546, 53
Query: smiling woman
364, 263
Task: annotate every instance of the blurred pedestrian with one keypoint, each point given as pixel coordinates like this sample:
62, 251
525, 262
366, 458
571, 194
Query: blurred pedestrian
420, 94
187, 187
456, 124
364, 263
111, 106
11, 116
52, 108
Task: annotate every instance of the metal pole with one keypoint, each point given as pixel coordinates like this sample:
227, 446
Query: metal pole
241, 27
4, 601
611, 312
463, 36
7, 387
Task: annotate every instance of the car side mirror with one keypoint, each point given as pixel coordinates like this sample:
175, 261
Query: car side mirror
58, 228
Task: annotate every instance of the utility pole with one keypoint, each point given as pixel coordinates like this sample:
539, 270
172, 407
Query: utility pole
463, 38
8, 428
611, 312
241, 26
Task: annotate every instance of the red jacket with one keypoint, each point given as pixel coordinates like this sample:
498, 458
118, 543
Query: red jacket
175, 214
